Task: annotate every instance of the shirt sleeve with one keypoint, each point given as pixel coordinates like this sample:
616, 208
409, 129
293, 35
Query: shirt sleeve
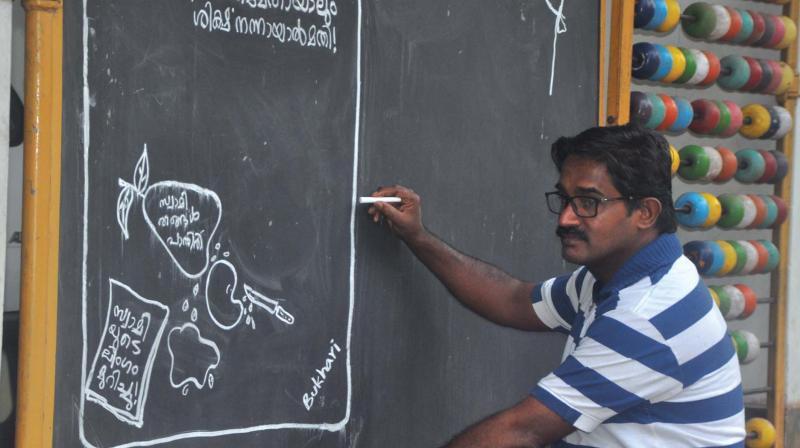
555, 301
620, 363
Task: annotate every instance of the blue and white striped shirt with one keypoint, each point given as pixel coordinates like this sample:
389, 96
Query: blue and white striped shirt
648, 361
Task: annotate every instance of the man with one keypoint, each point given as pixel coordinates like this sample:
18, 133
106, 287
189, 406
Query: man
647, 360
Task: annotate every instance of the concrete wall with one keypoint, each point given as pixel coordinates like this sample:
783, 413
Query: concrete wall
5, 81
14, 191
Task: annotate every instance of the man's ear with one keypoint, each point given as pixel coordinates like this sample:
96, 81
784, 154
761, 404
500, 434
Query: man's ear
648, 212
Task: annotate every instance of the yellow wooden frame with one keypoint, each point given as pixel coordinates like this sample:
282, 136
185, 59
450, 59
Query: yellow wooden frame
619, 63
776, 375
41, 201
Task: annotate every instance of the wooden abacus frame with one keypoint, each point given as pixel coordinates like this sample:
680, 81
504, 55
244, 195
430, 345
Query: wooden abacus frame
618, 112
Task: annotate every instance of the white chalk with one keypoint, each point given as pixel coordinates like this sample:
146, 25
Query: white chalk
372, 200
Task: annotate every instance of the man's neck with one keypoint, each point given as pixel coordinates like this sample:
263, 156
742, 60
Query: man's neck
604, 270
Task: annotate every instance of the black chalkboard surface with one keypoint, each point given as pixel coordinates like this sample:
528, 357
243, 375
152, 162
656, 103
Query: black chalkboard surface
218, 284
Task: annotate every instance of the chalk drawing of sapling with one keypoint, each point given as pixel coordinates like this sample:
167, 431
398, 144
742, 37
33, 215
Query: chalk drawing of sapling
225, 309
184, 217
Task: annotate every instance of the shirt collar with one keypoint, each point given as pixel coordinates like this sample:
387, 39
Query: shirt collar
660, 252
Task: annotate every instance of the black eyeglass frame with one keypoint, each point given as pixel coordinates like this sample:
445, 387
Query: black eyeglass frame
571, 201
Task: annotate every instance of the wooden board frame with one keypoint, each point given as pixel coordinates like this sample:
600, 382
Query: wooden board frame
41, 204
776, 374
42, 193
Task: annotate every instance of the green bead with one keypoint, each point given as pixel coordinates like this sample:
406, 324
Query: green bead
734, 72
741, 258
691, 66
740, 343
657, 111
697, 164
724, 118
701, 20
732, 210
724, 300
774, 255
751, 165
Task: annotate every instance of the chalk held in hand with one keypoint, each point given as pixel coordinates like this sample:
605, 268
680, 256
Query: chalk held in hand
372, 200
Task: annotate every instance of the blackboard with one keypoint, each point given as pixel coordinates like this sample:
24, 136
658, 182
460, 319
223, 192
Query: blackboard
218, 284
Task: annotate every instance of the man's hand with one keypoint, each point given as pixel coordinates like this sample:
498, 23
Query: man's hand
528, 424
404, 219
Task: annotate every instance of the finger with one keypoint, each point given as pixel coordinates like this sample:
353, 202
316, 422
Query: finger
389, 211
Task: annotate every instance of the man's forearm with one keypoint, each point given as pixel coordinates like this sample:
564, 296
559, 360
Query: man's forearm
497, 431
480, 286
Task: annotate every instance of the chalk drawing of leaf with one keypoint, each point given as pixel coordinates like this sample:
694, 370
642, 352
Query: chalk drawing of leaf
124, 202
141, 173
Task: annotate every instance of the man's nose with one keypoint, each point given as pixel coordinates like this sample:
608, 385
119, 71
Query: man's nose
568, 218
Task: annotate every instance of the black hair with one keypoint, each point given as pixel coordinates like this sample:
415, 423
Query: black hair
637, 159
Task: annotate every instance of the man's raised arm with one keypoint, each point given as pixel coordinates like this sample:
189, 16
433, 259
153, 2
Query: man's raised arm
480, 286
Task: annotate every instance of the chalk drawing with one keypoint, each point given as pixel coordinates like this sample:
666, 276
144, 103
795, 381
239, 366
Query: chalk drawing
183, 217
220, 289
272, 306
559, 28
120, 374
191, 357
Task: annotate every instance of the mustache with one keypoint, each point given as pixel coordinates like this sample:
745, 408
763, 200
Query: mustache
571, 231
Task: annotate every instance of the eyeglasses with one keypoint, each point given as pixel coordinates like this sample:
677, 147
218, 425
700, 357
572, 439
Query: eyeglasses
583, 206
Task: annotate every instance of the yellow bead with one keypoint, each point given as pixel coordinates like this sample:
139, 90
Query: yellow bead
714, 209
729, 261
756, 119
678, 64
673, 16
676, 159
764, 433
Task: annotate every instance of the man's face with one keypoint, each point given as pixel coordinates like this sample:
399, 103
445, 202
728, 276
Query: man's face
604, 241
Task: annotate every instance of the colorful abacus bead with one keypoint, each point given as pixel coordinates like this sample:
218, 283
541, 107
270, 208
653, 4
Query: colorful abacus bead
751, 165
685, 115
641, 109
694, 162
750, 300
770, 166
672, 18
729, 257
760, 433
699, 20
736, 306
706, 116
646, 60
782, 166
756, 119
692, 209
714, 210
735, 72
733, 210
675, 158
751, 257
700, 253
730, 165
746, 344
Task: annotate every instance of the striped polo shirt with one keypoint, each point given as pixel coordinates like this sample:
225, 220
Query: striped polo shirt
648, 361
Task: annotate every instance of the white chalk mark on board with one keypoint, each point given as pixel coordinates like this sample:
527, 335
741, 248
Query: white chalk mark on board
272, 306
290, 31
183, 217
191, 356
559, 28
254, 19
120, 373
224, 309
